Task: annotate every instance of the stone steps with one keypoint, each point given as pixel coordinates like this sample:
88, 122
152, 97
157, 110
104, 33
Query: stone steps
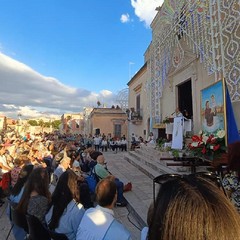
151, 163
148, 161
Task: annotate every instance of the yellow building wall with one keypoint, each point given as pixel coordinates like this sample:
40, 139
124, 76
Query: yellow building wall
138, 86
106, 123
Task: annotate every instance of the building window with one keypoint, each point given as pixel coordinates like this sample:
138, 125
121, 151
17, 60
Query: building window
138, 104
117, 130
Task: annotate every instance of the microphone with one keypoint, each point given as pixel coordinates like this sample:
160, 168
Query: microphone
172, 113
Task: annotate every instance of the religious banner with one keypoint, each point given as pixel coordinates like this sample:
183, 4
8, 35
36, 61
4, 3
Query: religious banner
212, 108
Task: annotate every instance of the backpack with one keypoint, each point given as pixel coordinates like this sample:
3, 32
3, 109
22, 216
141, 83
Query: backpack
92, 181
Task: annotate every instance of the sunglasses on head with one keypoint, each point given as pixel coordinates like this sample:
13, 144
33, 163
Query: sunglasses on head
209, 176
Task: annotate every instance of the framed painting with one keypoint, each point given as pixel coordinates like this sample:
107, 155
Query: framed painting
213, 108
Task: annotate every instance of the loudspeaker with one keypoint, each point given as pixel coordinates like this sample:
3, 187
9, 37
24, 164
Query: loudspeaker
97, 131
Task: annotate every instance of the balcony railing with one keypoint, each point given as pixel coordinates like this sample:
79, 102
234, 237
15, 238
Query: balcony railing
136, 117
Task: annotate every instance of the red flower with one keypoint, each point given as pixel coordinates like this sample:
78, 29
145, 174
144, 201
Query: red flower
204, 150
213, 140
210, 138
216, 147
206, 145
196, 138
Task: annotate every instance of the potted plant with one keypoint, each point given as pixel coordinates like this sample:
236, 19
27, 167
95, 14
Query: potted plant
166, 120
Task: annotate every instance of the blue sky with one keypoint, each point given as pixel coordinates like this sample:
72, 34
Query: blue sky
82, 47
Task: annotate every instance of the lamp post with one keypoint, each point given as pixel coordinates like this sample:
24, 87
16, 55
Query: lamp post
19, 123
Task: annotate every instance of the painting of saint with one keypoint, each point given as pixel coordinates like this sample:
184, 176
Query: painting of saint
212, 108
208, 114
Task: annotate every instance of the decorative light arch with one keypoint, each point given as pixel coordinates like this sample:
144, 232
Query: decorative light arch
210, 28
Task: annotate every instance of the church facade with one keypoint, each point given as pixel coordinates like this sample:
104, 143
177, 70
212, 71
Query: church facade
195, 45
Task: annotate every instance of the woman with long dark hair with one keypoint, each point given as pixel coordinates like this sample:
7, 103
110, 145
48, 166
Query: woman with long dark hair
18, 188
36, 196
15, 196
66, 211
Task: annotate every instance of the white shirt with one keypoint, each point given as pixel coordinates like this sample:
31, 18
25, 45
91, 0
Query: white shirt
99, 224
70, 219
96, 140
151, 140
95, 223
124, 141
104, 143
179, 114
59, 171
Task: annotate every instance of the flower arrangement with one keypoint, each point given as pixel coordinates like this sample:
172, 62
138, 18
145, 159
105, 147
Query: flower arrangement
166, 120
208, 146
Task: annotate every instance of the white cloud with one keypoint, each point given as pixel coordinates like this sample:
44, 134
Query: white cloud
29, 112
9, 106
106, 93
145, 9
26, 91
125, 18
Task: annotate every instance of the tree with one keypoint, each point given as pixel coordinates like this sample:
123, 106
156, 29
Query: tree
41, 123
47, 124
33, 122
98, 103
56, 124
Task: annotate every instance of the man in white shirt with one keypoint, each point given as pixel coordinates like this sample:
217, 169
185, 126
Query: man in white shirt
99, 223
96, 141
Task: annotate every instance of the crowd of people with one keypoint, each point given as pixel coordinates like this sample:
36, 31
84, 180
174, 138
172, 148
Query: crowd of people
46, 176
138, 142
106, 143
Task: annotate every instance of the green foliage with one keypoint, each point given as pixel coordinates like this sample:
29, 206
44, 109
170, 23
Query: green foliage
47, 124
160, 142
33, 122
166, 120
168, 149
41, 123
56, 123
175, 153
